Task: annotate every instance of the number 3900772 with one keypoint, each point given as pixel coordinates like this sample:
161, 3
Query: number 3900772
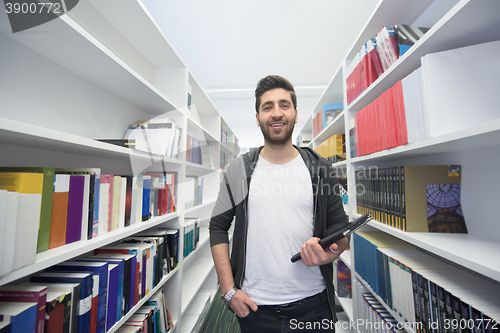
470, 324
33, 8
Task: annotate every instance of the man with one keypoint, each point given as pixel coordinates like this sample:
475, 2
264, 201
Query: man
284, 199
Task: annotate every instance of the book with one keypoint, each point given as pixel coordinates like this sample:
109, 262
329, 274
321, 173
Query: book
9, 232
30, 294
407, 36
23, 316
46, 208
127, 143
3, 226
70, 298
344, 287
116, 302
59, 211
476, 93
115, 206
86, 284
146, 189
109, 179
102, 227
55, 310
101, 270
130, 273
75, 208
27, 223
122, 208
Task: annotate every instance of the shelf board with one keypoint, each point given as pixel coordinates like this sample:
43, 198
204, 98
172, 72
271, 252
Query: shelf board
472, 252
480, 136
203, 240
395, 315
203, 205
346, 258
193, 279
69, 251
336, 127
347, 305
14, 132
68, 44
160, 285
449, 32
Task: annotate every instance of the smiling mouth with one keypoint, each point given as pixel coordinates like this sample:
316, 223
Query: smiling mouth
277, 126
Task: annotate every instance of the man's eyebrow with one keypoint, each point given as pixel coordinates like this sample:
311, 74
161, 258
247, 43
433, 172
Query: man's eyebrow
285, 101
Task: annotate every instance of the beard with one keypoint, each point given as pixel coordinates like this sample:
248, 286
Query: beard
279, 139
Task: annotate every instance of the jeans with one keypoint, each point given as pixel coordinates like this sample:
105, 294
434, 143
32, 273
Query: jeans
314, 320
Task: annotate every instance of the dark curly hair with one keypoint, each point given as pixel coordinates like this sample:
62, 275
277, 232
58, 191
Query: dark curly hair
271, 82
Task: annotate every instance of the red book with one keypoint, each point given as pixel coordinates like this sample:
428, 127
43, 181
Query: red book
31, 294
399, 114
390, 119
375, 64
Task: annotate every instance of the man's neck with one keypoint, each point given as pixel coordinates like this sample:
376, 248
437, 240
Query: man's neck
279, 154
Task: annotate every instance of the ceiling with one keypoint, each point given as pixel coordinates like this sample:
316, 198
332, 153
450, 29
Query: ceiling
232, 44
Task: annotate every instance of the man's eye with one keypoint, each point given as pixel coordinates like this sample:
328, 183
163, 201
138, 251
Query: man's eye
267, 108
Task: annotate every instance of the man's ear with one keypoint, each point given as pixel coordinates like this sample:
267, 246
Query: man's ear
296, 115
257, 118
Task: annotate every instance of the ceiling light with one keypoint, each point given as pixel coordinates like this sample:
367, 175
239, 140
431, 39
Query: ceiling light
218, 90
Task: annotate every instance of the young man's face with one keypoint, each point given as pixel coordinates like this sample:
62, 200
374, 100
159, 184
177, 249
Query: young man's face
276, 117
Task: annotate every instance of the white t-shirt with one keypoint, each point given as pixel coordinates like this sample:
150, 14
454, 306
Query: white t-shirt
280, 221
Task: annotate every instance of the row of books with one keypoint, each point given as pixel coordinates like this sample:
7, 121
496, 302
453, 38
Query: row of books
414, 198
377, 55
431, 295
342, 279
193, 191
393, 119
152, 317
52, 207
224, 134
375, 317
303, 139
191, 235
160, 136
193, 150
224, 160
333, 148
92, 293
326, 116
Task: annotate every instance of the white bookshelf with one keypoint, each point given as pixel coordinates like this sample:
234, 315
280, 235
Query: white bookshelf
454, 24
88, 75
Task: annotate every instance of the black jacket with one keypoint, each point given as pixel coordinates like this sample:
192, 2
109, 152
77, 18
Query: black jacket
329, 214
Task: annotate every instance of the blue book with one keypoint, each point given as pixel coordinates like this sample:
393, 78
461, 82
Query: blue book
330, 112
117, 280
146, 188
22, 316
129, 282
112, 306
101, 270
86, 281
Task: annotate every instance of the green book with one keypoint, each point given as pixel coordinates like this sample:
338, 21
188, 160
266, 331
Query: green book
46, 210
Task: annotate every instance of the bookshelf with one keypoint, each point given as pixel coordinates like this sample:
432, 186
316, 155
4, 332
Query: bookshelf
472, 147
87, 75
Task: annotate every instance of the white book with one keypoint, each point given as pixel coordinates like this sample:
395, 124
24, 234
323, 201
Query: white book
116, 202
9, 235
140, 194
85, 210
28, 220
135, 190
123, 198
461, 87
103, 209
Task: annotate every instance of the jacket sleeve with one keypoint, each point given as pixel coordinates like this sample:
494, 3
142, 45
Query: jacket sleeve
336, 216
222, 215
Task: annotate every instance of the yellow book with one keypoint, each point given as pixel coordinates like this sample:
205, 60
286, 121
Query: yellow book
21, 182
